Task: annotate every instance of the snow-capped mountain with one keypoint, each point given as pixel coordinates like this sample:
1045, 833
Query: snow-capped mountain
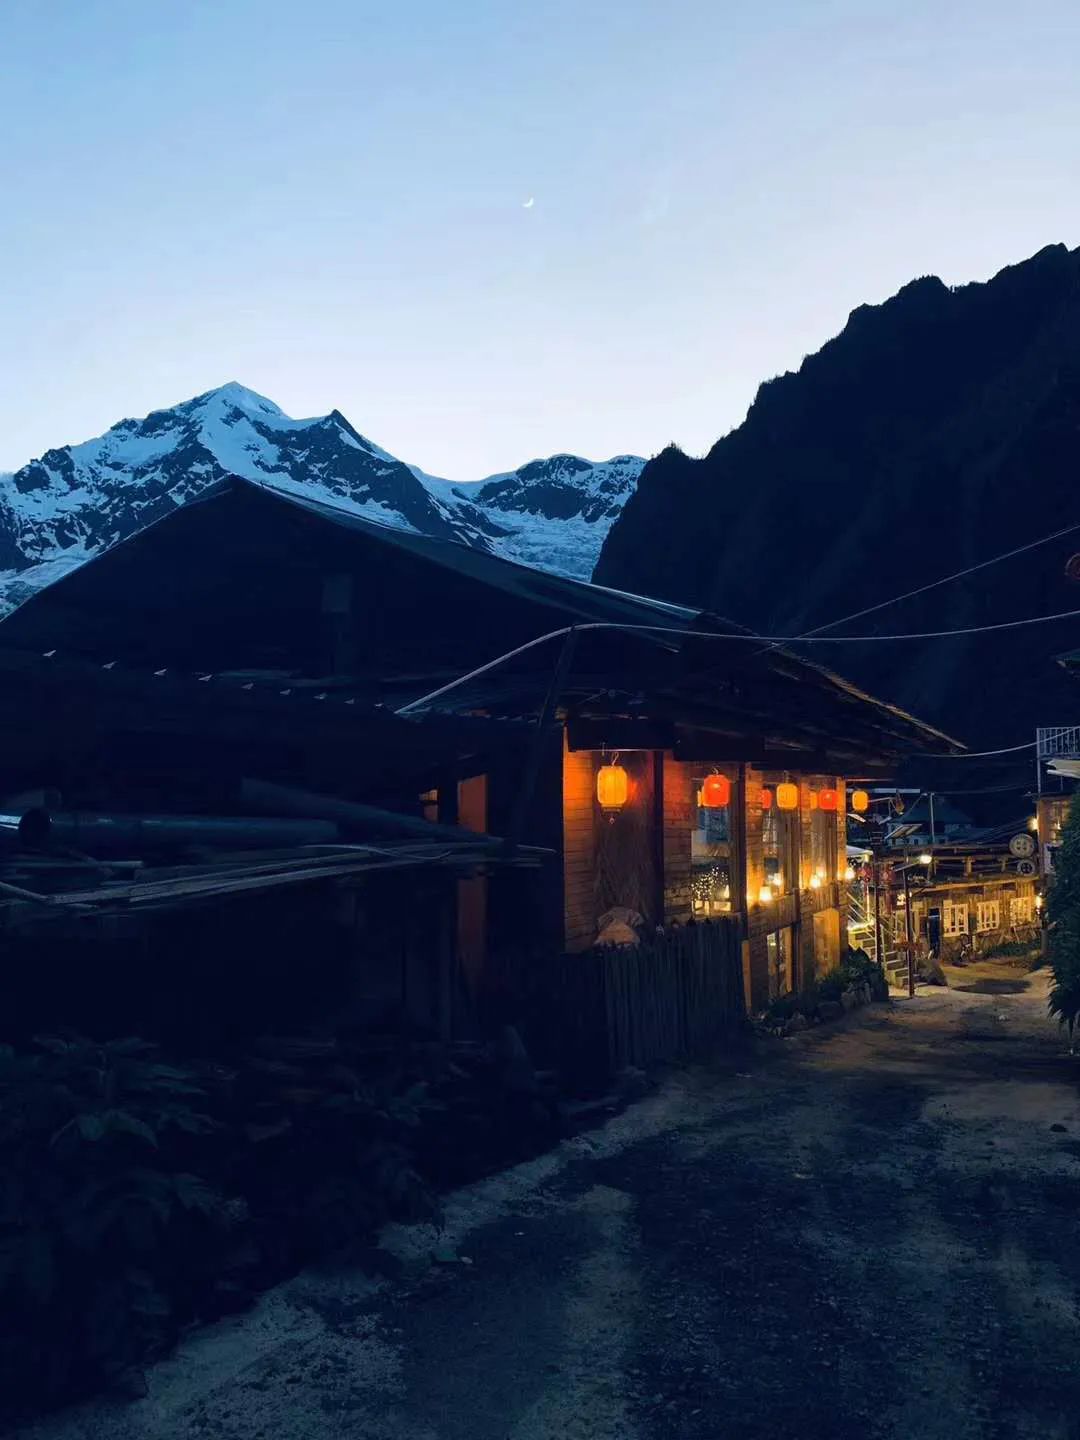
552, 513
73, 502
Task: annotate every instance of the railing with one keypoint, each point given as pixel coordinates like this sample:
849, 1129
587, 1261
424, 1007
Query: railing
1058, 741
676, 995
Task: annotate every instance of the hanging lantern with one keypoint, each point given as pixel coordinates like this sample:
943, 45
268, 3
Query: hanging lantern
860, 801
828, 800
787, 796
715, 792
766, 799
612, 787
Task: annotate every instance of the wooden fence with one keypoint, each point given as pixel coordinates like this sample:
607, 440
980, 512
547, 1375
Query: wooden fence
677, 995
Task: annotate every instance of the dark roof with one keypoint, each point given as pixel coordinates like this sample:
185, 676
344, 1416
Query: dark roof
231, 584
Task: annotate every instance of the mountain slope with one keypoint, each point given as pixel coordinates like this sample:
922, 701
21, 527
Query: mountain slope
553, 513
74, 501
936, 431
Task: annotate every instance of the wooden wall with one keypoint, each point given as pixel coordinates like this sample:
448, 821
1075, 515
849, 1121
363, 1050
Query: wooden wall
677, 821
579, 849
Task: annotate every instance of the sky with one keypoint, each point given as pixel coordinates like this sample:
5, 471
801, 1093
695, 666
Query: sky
327, 202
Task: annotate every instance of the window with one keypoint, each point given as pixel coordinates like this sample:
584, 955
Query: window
1023, 909
989, 915
781, 967
954, 919
823, 844
779, 833
712, 853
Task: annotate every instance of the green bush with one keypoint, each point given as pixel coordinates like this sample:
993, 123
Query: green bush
831, 985
137, 1197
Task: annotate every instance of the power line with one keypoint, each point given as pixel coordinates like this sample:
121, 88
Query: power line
747, 637
945, 580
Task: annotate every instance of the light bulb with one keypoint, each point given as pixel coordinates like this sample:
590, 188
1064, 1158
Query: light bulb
815, 882
849, 874
926, 858
765, 894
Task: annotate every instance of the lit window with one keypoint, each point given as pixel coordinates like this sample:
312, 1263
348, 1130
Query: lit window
988, 915
954, 919
712, 854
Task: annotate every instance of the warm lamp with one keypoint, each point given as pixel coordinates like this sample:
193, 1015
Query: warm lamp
612, 787
715, 792
860, 801
766, 799
787, 796
828, 800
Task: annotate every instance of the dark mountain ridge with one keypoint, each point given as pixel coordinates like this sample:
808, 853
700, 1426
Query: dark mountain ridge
937, 430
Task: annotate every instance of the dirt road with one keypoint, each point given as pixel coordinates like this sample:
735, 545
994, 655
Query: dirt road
875, 1233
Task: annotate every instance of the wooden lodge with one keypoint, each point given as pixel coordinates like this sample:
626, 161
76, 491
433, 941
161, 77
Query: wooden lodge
687, 784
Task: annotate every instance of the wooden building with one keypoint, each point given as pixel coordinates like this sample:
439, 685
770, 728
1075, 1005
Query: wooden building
690, 783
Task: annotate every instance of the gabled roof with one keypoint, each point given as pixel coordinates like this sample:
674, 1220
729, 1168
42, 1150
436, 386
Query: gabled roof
232, 581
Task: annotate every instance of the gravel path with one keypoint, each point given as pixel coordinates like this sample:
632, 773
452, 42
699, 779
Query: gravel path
873, 1234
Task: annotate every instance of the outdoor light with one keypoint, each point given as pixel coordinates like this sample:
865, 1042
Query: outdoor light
765, 894
787, 796
715, 792
815, 882
926, 858
860, 801
849, 874
766, 799
612, 786
1033, 823
828, 800
1038, 902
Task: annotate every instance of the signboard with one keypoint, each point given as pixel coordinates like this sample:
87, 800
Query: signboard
1022, 846
1025, 867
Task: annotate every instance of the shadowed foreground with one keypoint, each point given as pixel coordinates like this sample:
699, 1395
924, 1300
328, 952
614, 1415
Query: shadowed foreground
874, 1235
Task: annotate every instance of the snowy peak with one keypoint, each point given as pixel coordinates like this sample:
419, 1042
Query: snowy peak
74, 501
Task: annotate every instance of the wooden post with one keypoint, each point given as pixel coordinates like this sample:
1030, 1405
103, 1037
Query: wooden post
910, 937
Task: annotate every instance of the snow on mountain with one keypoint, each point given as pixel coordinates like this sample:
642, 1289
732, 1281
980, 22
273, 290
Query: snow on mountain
553, 513
73, 502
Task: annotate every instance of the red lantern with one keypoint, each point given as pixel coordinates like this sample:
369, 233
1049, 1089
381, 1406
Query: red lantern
766, 799
715, 792
828, 800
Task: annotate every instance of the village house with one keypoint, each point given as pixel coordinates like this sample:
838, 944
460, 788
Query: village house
688, 785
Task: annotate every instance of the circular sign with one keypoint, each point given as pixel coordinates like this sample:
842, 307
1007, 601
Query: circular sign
1022, 846
1025, 867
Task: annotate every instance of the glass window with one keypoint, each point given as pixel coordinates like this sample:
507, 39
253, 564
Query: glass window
712, 853
779, 830
989, 915
823, 844
954, 918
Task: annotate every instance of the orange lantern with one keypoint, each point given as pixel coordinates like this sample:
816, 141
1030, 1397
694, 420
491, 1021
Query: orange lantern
766, 799
860, 801
828, 800
787, 796
715, 792
612, 787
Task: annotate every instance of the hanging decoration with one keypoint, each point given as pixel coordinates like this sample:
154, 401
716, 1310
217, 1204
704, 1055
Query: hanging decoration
766, 799
715, 792
860, 801
828, 799
787, 796
612, 786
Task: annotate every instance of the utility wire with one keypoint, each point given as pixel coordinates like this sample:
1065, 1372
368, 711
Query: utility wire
945, 580
745, 638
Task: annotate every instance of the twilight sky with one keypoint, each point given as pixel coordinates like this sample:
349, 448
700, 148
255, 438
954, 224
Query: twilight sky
326, 202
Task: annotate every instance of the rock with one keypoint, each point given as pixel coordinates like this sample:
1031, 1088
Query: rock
1063, 1129
830, 1009
849, 999
795, 1024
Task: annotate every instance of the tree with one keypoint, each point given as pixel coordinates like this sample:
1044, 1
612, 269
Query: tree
1064, 917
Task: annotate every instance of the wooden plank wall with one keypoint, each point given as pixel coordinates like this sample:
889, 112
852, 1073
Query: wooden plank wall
677, 824
579, 849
